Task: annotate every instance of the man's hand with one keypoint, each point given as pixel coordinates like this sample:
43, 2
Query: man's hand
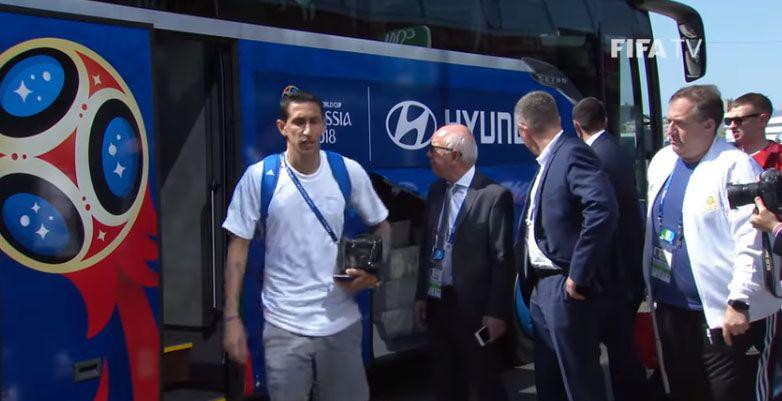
420, 313
736, 323
497, 327
235, 340
570, 287
764, 219
361, 280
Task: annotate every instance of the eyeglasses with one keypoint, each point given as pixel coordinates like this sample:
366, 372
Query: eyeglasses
434, 148
739, 120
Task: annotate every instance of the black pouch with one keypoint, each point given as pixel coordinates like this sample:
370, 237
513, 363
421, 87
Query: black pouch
364, 252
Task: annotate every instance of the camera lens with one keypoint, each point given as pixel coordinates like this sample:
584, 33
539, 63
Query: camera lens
742, 194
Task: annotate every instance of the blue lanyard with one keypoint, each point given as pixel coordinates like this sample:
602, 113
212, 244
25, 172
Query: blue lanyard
452, 231
309, 201
680, 227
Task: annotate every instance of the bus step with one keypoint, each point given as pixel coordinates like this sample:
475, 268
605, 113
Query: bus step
176, 363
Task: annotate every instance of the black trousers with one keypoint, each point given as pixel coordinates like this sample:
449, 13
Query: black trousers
628, 375
458, 362
700, 366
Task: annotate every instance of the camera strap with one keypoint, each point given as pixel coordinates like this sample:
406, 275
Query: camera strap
769, 272
309, 201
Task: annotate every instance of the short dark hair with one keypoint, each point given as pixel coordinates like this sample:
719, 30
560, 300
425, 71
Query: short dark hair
590, 114
297, 97
708, 102
537, 110
758, 101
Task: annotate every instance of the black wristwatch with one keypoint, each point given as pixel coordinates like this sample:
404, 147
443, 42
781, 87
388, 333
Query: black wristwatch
740, 306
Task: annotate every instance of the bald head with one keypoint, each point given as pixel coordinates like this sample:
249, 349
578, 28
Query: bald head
453, 152
459, 138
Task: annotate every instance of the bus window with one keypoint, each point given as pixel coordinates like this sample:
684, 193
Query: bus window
629, 103
646, 142
632, 111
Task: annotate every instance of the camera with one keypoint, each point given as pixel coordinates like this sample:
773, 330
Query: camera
768, 188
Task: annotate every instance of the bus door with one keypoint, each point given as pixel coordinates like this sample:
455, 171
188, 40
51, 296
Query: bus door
193, 97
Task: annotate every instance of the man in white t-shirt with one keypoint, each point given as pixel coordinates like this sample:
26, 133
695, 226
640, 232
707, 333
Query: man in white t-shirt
312, 332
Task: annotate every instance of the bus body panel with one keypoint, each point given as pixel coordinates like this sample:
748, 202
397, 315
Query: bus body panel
79, 264
98, 309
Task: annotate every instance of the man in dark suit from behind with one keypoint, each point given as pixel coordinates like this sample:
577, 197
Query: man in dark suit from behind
465, 275
624, 269
563, 245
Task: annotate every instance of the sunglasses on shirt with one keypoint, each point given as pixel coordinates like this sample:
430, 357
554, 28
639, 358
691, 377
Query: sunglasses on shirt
739, 120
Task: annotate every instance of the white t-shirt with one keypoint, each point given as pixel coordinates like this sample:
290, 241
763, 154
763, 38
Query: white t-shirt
299, 293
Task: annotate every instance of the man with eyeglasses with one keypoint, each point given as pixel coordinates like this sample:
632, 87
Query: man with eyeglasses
715, 319
465, 275
747, 118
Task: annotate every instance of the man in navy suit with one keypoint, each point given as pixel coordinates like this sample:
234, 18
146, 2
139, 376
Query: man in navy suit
624, 270
563, 247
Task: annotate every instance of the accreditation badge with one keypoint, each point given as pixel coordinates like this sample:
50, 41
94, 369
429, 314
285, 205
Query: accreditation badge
438, 254
661, 264
435, 283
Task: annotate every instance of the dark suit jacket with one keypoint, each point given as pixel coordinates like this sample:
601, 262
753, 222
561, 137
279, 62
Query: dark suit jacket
482, 251
626, 278
576, 215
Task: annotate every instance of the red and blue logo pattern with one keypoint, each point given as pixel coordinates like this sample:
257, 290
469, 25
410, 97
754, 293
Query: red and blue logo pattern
74, 194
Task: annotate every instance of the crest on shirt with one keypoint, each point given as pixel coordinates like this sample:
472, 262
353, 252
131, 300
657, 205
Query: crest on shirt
711, 203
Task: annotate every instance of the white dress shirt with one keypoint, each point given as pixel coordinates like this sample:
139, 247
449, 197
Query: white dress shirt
458, 194
594, 137
537, 258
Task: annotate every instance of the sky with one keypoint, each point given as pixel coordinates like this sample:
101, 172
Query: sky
744, 48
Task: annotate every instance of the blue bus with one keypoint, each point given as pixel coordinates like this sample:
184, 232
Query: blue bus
125, 124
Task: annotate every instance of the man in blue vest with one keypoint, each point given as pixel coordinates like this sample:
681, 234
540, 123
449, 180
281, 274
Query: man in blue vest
312, 332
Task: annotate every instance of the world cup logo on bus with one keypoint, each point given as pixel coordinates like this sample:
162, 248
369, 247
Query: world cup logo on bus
74, 193
74, 158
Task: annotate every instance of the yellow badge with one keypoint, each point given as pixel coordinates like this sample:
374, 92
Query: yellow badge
711, 203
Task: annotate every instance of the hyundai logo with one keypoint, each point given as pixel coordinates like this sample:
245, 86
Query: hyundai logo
410, 119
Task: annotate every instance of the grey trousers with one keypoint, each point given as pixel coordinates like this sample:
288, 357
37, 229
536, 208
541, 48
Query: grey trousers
329, 368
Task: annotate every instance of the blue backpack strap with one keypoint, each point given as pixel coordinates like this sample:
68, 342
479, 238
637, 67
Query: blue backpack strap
271, 173
340, 173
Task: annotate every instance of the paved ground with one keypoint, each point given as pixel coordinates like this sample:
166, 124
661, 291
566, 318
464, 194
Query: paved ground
406, 379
